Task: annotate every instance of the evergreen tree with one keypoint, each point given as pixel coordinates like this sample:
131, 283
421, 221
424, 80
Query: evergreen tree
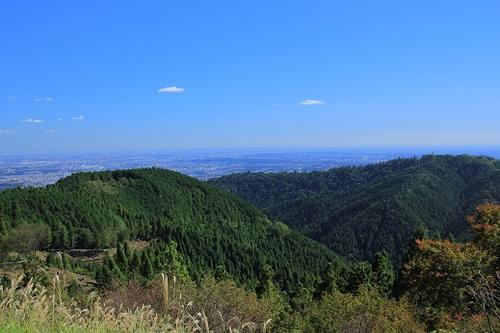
266, 282
174, 263
121, 257
136, 262
221, 273
113, 267
333, 278
3, 226
361, 273
420, 232
128, 253
17, 214
147, 267
383, 272
60, 237
103, 277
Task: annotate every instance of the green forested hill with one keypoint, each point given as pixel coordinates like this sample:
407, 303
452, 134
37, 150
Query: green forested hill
358, 211
213, 230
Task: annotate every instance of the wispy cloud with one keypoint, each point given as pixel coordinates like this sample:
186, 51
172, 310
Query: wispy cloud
59, 119
312, 102
32, 121
7, 131
79, 118
42, 99
12, 98
171, 90
50, 130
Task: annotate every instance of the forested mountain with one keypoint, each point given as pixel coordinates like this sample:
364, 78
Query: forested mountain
205, 256
213, 230
357, 211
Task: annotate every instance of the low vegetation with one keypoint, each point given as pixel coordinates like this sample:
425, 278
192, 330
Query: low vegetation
35, 308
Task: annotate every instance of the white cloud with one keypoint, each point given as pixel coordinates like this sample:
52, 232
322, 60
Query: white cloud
50, 130
12, 98
171, 90
312, 102
32, 121
6, 131
43, 99
59, 119
79, 118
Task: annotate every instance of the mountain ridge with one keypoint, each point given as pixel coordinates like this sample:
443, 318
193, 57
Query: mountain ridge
357, 211
213, 230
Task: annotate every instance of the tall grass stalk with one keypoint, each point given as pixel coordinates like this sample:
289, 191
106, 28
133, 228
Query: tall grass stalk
33, 308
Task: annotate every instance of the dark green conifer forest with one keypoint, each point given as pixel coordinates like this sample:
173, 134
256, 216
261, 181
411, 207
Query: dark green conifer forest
359, 211
211, 229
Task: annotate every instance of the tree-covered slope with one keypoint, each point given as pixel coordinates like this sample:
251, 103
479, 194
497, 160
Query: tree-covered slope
358, 211
213, 230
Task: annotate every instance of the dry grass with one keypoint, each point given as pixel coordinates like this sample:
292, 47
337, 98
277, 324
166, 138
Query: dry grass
32, 308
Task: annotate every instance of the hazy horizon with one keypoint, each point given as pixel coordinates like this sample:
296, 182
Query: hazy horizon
437, 149
38, 169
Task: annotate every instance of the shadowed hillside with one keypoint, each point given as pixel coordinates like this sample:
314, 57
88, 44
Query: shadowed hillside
358, 211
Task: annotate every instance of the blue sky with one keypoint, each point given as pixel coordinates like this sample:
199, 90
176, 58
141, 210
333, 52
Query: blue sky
87, 75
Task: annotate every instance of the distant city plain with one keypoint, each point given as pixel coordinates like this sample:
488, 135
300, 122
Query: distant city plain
42, 169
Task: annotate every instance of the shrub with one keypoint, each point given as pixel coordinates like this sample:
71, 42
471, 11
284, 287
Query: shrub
366, 311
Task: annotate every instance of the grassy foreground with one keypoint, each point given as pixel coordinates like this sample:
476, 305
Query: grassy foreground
30, 308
